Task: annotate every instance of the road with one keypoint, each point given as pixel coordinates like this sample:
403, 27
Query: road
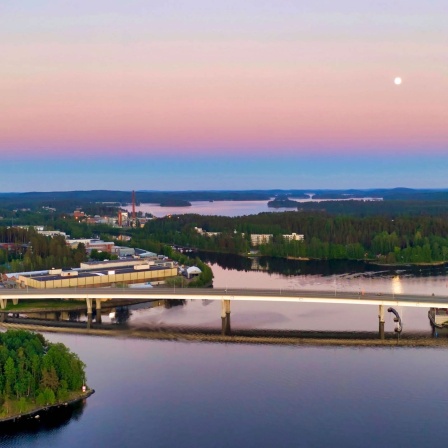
287, 295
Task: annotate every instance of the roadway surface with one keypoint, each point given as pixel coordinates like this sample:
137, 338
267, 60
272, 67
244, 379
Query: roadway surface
262, 295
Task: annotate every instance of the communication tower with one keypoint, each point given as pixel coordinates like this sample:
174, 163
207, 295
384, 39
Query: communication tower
133, 205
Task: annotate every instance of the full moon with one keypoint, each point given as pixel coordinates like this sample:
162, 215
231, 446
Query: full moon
397, 81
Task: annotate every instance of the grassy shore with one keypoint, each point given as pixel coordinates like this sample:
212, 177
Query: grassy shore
40, 305
13, 409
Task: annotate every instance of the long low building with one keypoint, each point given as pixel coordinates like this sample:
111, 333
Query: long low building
98, 277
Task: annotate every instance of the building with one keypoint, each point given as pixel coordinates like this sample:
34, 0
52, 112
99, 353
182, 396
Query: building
98, 278
122, 251
160, 261
260, 238
52, 233
257, 239
294, 237
78, 215
189, 271
90, 244
205, 233
192, 271
141, 253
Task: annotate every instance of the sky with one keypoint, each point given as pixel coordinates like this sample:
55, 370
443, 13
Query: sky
193, 94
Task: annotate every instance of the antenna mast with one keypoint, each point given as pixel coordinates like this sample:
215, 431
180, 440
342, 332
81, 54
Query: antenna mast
133, 204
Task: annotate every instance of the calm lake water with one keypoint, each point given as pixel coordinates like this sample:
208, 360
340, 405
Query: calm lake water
224, 208
169, 394
221, 208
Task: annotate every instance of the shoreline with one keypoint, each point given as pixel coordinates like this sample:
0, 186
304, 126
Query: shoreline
35, 413
215, 337
364, 260
432, 263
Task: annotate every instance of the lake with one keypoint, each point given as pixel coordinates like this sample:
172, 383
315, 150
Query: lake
225, 208
221, 208
198, 394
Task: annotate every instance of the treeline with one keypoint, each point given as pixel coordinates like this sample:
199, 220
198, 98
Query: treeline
65, 201
390, 208
32, 251
403, 239
34, 372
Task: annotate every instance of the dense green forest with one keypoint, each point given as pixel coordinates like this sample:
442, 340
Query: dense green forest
390, 237
32, 251
35, 373
422, 239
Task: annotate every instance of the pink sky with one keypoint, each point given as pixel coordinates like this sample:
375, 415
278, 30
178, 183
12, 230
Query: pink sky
325, 88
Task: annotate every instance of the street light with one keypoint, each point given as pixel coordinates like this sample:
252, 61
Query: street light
397, 320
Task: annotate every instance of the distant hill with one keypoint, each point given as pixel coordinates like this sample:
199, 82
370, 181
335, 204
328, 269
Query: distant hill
65, 201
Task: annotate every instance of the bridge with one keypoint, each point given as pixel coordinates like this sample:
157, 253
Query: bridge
226, 296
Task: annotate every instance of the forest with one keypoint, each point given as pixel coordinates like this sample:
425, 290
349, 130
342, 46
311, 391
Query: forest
395, 238
404, 239
28, 251
35, 373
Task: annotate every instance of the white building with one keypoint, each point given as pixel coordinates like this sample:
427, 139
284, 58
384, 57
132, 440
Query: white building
52, 233
260, 238
193, 271
205, 233
294, 237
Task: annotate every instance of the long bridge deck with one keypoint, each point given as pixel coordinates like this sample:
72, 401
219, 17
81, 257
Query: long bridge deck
286, 295
226, 296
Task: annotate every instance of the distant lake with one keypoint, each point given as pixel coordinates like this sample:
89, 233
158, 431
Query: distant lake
221, 208
225, 208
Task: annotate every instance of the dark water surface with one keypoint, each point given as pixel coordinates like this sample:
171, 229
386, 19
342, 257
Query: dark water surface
170, 394
198, 394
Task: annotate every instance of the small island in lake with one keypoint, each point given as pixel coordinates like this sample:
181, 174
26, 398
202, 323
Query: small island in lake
175, 203
37, 375
283, 202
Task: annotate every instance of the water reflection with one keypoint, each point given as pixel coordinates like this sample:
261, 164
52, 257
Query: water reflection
225, 325
439, 332
221, 208
122, 314
47, 422
324, 268
397, 287
232, 272
108, 315
168, 304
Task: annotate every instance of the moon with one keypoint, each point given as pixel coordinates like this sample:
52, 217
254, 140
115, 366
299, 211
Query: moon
397, 81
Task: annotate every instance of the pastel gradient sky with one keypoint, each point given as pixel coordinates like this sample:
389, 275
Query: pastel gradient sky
194, 94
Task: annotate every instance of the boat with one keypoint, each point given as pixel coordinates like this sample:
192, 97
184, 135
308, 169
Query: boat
438, 317
141, 285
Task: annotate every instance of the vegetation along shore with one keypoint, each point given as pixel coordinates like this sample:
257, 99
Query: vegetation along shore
36, 374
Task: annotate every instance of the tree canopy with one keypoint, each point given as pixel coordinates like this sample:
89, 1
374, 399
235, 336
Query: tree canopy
34, 372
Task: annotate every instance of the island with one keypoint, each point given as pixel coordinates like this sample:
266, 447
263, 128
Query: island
283, 202
36, 375
175, 203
